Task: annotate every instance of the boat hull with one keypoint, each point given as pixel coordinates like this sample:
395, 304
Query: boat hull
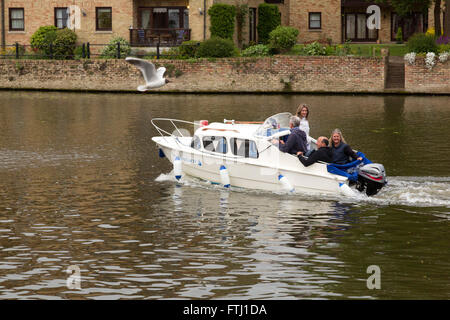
260, 174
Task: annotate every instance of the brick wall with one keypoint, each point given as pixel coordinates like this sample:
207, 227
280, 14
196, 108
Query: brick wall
331, 19
274, 74
42, 13
419, 79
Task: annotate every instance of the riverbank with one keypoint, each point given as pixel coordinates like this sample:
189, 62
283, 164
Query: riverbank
279, 74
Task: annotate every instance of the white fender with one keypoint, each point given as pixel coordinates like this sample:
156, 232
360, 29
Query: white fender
285, 183
345, 190
224, 176
177, 171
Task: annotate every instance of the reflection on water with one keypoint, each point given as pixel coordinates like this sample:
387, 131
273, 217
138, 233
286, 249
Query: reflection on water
81, 184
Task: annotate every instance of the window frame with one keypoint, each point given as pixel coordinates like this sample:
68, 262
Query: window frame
56, 16
196, 138
97, 19
246, 151
310, 14
355, 29
181, 16
11, 19
212, 142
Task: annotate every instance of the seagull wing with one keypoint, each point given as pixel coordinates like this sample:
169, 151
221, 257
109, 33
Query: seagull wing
147, 68
160, 72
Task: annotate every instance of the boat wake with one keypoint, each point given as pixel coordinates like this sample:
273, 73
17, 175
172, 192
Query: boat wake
415, 191
404, 191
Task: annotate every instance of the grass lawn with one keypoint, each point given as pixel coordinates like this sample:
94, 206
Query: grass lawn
398, 50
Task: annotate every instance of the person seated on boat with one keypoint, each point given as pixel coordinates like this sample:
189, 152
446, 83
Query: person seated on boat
323, 153
297, 138
303, 113
341, 151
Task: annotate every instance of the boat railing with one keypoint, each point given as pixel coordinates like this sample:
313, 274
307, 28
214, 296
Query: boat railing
177, 132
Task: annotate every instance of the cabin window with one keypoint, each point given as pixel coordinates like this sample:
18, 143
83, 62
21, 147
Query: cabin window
244, 148
215, 144
196, 143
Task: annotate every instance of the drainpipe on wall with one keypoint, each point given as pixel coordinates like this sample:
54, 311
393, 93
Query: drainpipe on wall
3, 25
204, 20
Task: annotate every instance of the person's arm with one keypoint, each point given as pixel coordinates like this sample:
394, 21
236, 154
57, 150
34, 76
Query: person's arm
285, 147
350, 153
303, 142
313, 158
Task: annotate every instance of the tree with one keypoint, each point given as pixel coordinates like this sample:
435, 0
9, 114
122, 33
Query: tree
447, 19
405, 7
437, 18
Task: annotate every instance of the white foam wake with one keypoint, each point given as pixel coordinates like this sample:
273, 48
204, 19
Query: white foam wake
408, 191
415, 191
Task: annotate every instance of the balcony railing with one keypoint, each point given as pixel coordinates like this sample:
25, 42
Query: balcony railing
163, 37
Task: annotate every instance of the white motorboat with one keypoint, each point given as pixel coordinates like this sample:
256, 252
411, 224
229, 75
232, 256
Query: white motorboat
241, 154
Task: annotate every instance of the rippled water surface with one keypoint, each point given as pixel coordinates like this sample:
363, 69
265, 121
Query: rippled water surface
81, 184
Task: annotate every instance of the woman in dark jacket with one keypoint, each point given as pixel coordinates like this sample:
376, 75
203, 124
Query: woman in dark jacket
341, 151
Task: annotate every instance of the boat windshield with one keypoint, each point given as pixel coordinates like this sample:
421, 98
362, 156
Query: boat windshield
274, 124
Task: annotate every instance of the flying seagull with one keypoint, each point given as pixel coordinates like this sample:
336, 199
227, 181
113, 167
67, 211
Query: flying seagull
153, 78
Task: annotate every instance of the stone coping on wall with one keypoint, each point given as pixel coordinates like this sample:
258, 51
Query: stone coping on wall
277, 74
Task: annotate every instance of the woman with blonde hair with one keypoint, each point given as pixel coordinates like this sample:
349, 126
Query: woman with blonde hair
341, 151
303, 113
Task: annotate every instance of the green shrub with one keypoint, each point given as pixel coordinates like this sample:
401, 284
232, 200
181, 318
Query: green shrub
49, 40
78, 53
216, 48
422, 43
43, 38
314, 49
330, 50
110, 51
269, 18
258, 50
222, 18
188, 49
64, 44
399, 35
282, 39
444, 48
241, 16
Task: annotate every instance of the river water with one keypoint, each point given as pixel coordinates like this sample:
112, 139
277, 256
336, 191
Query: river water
81, 185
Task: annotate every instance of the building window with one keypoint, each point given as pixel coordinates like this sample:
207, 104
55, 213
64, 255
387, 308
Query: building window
103, 19
356, 28
315, 20
252, 25
163, 18
62, 17
16, 19
186, 19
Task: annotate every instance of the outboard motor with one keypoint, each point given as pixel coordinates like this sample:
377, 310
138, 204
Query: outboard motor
371, 177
